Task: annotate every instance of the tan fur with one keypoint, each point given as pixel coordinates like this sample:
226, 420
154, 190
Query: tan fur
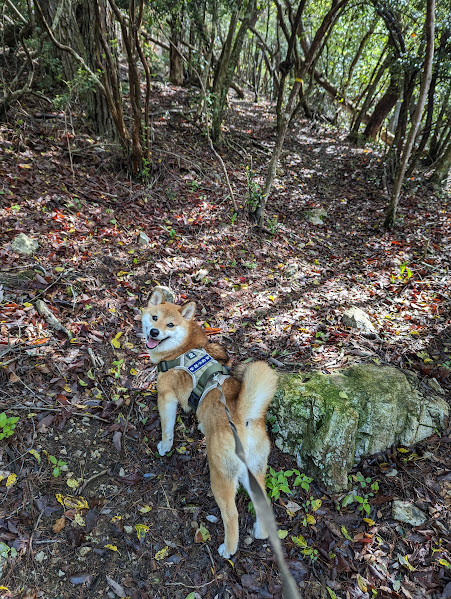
247, 400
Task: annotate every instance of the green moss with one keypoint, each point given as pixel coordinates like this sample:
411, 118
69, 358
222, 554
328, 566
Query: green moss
329, 421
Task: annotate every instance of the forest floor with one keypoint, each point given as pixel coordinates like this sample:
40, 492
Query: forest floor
142, 526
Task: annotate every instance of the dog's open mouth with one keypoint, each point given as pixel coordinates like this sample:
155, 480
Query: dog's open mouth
152, 343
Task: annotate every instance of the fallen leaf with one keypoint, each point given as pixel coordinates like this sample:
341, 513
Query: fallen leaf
117, 588
59, 525
162, 554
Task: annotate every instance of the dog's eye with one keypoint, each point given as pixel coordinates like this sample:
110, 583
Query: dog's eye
154, 317
170, 325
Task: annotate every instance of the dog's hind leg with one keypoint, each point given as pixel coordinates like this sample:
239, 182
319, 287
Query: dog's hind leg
224, 490
167, 407
259, 528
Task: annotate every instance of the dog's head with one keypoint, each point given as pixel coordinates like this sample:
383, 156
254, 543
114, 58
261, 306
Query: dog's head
165, 325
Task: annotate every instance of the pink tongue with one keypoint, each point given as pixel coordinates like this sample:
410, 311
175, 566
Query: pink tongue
151, 343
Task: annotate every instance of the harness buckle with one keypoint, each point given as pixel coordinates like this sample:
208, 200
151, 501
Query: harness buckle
163, 366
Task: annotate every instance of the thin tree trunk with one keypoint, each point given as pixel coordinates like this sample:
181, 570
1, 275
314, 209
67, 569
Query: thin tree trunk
369, 97
430, 28
176, 73
441, 122
228, 63
442, 168
431, 102
288, 111
382, 109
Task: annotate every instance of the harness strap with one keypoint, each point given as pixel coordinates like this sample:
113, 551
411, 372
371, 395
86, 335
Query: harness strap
212, 373
166, 365
216, 367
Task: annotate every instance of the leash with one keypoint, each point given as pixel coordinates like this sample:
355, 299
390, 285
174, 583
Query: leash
265, 513
211, 369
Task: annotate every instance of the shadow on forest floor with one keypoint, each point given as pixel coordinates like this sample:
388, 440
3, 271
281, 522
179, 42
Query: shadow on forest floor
90, 402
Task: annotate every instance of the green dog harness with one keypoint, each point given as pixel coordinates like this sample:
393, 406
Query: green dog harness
207, 373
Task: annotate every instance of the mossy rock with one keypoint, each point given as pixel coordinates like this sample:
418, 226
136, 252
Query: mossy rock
330, 421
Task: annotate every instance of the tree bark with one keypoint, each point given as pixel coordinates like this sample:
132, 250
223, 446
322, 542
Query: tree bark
227, 63
98, 110
176, 71
368, 98
427, 75
382, 109
61, 17
442, 168
287, 113
431, 101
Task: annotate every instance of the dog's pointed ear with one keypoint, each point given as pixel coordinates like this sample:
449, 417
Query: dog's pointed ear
156, 298
188, 310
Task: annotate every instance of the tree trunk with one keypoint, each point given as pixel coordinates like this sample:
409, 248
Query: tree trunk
61, 17
90, 29
431, 101
228, 62
442, 168
326, 23
382, 109
176, 71
369, 98
430, 28
441, 123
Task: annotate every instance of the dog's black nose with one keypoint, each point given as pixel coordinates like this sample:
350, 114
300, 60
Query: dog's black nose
154, 332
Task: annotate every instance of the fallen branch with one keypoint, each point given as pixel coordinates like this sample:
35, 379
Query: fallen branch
42, 308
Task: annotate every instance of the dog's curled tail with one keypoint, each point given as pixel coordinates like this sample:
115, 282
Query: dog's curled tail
258, 385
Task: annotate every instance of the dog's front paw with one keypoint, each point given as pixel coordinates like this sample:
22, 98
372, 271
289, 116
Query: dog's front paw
164, 446
260, 531
223, 552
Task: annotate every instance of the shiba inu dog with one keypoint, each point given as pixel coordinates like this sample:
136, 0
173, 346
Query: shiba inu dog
179, 346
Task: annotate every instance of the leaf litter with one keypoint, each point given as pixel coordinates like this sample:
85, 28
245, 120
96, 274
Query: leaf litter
130, 522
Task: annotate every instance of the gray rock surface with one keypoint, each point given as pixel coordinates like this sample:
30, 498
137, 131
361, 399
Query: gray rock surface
316, 216
143, 239
358, 319
405, 511
22, 244
330, 421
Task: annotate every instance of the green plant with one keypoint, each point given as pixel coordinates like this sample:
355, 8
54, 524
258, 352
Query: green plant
250, 264
274, 424
233, 218
273, 225
6, 551
7, 425
254, 191
116, 371
307, 550
362, 500
58, 465
404, 273
277, 482
146, 168
323, 337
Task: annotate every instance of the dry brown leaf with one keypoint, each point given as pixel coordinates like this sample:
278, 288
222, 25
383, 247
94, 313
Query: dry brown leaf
59, 524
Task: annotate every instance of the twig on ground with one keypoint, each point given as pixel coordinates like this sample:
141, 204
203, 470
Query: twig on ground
48, 409
90, 479
42, 308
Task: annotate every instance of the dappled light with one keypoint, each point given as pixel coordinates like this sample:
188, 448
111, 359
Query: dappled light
241, 157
